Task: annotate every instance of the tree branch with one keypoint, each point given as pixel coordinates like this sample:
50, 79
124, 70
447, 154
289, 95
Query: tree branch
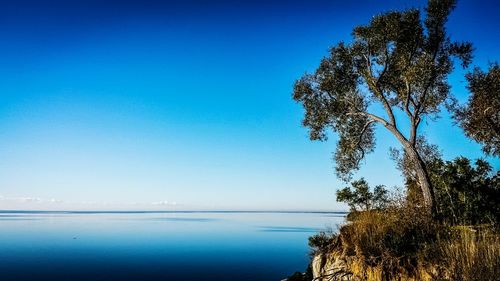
408, 98
369, 115
386, 104
431, 80
394, 130
365, 127
414, 119
374, 83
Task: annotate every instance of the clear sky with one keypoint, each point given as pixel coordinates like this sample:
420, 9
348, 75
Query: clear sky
186, 104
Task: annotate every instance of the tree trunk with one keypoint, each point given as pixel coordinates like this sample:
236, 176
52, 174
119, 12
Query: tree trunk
417, 163
422, 178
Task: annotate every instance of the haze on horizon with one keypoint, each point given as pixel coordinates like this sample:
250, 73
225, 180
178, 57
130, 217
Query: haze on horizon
186, 105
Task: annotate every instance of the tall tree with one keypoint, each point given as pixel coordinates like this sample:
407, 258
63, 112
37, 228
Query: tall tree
398, 62
480, 117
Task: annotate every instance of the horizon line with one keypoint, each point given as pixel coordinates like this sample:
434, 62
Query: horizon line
164, 211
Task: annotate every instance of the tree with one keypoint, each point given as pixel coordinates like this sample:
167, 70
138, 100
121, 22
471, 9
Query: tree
467, 194
480, 117
397, 62
430, 155
361, 198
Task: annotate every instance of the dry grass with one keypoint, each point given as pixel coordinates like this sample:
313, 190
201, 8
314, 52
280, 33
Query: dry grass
389, 244
405, 244
471, 254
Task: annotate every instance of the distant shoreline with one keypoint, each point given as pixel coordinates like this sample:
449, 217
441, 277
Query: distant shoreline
166, 212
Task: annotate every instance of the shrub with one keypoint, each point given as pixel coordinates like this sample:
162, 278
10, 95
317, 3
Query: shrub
361, 198
466, 194
321, 242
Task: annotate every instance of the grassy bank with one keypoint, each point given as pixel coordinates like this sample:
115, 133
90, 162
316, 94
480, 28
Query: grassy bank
405, 244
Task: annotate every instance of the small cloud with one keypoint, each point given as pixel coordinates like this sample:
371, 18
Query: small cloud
55, 201
164, 203
160, 203
28, 199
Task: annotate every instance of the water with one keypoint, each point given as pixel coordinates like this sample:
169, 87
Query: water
146, 246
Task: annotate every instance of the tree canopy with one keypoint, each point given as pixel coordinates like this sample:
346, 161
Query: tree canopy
397, 62
480, 117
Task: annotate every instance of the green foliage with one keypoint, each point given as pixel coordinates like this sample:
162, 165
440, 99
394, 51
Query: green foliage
480, 117
466, 194
401, 63
361, 198
398, 61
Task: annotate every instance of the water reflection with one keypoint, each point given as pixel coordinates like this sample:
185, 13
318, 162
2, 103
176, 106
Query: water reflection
288, 229
156, 246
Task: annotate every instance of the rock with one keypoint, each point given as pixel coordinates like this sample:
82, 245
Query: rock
330, 267
297, 276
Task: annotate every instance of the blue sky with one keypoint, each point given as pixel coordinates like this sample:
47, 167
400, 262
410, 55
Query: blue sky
186, 104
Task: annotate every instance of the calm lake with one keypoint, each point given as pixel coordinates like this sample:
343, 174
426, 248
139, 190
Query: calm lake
146, 246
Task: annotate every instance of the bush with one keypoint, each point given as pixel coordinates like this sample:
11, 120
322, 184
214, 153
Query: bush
361, 198
322, 242
466, 194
